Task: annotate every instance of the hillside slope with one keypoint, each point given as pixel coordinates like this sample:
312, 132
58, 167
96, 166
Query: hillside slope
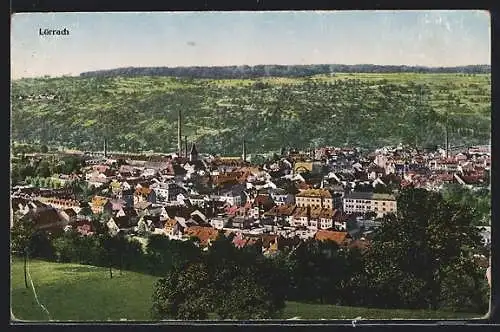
140, 113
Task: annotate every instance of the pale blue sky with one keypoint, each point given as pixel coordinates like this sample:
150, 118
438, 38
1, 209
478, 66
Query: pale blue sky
112, 40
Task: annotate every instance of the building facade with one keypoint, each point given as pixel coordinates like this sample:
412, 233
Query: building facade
362, 202
314, 198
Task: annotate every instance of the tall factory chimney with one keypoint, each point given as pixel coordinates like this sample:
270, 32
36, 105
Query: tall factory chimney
244, 150
179, 133
446, 142
105, 148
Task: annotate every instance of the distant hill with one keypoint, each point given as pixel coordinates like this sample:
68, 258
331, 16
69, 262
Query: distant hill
279, 70
362, 109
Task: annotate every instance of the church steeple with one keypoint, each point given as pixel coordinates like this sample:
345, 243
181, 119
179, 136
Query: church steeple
193, 154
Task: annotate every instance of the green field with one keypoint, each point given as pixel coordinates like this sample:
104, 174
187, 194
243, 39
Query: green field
85, 293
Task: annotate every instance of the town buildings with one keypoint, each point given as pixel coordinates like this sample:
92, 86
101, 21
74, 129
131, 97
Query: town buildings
330, 193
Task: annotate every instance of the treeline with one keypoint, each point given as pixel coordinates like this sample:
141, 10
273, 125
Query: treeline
221, 72
26, 169
423, 258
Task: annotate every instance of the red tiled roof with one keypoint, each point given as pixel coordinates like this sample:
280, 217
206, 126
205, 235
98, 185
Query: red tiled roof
282, 210
338, 237
204, 234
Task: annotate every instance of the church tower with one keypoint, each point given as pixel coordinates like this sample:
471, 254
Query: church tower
193, 155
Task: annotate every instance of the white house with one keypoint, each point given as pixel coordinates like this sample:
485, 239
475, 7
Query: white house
300, 217
219, 222
147, 172
166, 191
197, 200
98, 180
231, 198
305, 234
313, 224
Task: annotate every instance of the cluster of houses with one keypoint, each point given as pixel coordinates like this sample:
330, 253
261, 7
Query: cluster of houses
329, 193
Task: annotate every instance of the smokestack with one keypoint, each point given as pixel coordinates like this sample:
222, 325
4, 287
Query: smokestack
446, 144
244, 150
179, 133
185, 146
105, 148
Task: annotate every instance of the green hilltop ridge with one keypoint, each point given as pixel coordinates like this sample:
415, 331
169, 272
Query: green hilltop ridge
139, 113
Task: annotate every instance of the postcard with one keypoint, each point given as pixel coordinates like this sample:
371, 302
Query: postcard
257, 166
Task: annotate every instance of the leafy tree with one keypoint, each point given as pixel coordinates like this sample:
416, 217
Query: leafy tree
316, 271
142, 228
246, 298
381, 189
82, 190
163, 254
467, 292
183, 294
109, 243
43, 169
414, 249
71, 164
99, 222
478, 202
21, 233
65, 247
41, 245
232, 283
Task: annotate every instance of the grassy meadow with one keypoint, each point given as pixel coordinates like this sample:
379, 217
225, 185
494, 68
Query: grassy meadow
73, 292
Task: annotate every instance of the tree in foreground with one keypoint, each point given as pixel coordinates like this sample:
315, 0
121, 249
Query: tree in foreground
226, 282
183, 294
20, 238
423, 257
